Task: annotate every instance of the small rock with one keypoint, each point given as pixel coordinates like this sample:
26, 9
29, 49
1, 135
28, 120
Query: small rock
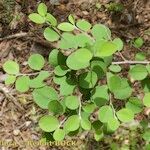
16, 132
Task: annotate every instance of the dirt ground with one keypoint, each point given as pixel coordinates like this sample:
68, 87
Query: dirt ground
19, 37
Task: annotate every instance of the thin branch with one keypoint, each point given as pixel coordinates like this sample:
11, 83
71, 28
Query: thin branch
80, 105
130, 62
11, 98
17, 35
111, 104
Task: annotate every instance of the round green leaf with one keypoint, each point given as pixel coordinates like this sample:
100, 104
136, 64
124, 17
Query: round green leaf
56, 58
135, 105
36, 18
146, 100
67, 87
59, 134
48, 123
55, 107
89, 107
11, 67
65, 26
42, 9
51, 19
138, 43
124, 91
146, 135
125, 115
60, 70
138, 72
114, 83
79, 59
107, 49
118, 43
10, 79
113, 124
141, 56
22, 84
72, 102
43, 96
83, 25
36, 62
115, 68
105, 113
68, 41
100, 31
39, 80
72, 123
85, 124
100, 95
51, 35
88, 79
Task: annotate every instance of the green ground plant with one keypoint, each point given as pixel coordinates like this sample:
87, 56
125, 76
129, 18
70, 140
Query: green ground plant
90, 84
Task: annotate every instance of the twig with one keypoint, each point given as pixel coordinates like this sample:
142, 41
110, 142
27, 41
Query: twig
130, 62
17, 35
111, 104
10, 97
80, 105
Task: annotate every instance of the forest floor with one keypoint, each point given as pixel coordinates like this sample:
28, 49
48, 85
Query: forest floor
19, 37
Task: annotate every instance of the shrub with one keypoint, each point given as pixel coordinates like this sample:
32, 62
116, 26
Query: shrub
91, 85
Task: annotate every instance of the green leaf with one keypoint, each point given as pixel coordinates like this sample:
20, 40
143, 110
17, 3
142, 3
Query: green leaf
36, 62
138, 72
141, 56
11, 67
51, 35
68, 41
135, 105
38, 81
59, 134
88, 79
98, 137
138, 43
72, 102
22, 84
107, 49
100, 95
124, 91
55, 107
42, 9
146, 100
100, 31
43, 96
66, 26
71, 19
72, 123
36, 18
60, 70
79, 59
59, 80
67, 87
51, 19
118, 43
99, 67
89, 107
146, 136
83, 40
114, 83
125, 115
105, 113
56, 58
115, 68
48, 123
83, 25
10, 79
113, 124
85, 124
